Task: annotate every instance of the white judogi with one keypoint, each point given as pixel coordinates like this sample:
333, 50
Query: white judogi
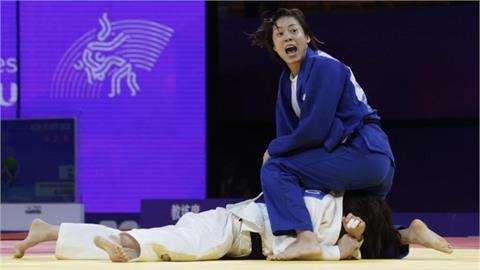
211, 234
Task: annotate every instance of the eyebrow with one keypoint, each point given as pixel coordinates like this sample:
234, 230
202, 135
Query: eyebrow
290, 25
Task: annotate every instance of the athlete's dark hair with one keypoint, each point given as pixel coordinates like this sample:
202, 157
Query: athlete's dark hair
263, 36
381, 239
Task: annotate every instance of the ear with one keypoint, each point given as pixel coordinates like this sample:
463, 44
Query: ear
308, 39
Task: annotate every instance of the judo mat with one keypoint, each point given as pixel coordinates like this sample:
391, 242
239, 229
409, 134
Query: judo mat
466, 256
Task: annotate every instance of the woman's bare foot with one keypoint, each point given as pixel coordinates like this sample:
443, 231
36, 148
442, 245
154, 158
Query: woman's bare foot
130, 245
40, 231
114, 250
419, 233
306, 247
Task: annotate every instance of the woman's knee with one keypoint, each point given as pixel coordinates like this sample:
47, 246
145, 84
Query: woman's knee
267, 172
272, 172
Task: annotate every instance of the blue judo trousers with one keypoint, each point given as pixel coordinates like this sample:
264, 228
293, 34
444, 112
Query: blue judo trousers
335, 143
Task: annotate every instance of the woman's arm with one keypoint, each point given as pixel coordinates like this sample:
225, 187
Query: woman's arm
324, 88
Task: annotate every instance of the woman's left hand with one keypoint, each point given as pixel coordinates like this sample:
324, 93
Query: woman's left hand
354, 226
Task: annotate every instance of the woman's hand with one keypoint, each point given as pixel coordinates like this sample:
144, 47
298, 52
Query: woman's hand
348, 246
354, 226
266, 156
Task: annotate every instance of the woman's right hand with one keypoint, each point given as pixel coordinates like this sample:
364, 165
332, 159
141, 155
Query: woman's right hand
266, 156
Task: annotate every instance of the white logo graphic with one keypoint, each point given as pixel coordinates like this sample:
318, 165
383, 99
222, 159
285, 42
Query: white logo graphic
13, 95
8, 70
113, 54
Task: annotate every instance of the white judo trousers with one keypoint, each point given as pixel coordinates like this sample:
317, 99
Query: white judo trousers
204, 236
211, 234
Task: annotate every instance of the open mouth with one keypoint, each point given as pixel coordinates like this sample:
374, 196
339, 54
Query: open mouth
290, 50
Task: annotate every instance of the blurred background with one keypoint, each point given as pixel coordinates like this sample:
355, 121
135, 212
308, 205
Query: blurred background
115, 105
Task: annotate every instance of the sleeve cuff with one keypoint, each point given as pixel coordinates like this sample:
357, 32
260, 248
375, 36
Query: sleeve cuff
331, 253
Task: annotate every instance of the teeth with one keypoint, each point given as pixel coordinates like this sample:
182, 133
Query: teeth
290, 49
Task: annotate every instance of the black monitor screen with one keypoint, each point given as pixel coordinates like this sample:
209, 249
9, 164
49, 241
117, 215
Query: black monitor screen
38, 160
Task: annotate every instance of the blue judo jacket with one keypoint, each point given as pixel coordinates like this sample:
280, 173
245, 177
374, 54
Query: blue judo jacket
333, 108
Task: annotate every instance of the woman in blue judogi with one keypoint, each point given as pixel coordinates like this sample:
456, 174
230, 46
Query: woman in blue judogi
328, 137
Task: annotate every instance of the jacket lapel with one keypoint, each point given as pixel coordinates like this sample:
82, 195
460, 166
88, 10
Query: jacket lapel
303, 75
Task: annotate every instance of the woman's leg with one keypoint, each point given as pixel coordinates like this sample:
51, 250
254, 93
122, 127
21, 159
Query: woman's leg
287, 211
39, 232
418, 233
349, 167
283, 195
207, 235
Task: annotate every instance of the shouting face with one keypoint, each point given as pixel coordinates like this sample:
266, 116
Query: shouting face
290, 42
